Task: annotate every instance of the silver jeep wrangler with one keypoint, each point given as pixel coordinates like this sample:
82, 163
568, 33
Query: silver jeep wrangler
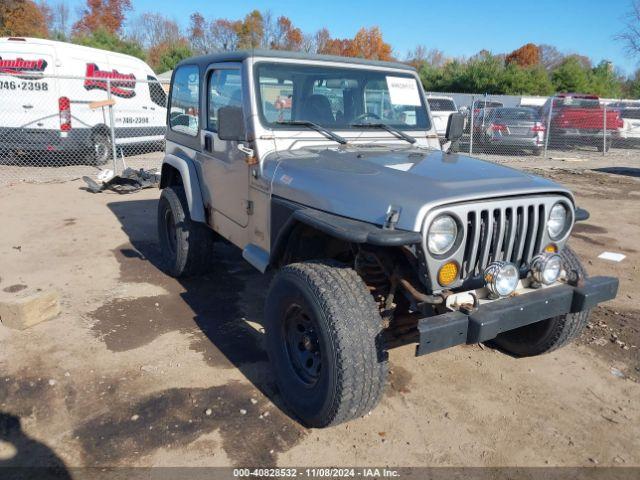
328, 172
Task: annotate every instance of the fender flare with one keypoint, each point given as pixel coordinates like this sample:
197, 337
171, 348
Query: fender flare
285, 215
190, 183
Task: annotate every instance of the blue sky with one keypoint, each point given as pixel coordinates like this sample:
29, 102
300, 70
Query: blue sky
459, 27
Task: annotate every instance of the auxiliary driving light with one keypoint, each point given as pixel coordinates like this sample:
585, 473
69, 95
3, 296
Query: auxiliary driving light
501, 278
546, 267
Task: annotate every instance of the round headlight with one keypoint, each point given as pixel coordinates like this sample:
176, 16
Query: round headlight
442, 235
546, 268
557, 221
501, 278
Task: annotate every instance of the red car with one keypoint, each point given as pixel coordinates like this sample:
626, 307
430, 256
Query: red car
579, 119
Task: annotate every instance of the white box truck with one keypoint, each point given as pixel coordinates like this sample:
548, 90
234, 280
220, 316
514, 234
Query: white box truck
49, 90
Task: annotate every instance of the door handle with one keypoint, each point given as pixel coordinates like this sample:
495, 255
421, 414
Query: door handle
27, 106
208, 142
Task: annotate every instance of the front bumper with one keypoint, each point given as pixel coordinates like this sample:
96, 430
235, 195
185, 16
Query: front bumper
491, 319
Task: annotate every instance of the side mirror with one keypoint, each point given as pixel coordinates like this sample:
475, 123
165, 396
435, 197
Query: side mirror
231, 124
455, 127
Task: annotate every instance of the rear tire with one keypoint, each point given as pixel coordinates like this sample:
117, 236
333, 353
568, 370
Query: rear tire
324, 339
186, 246
538, 152
102, 151
606, 147
551, 334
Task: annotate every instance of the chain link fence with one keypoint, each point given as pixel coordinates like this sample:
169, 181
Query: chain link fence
62, 127
561, 127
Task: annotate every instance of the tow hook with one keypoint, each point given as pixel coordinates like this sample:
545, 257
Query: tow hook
575, 278
469, 308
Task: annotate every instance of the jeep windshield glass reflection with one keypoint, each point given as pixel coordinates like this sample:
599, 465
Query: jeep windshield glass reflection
338, 98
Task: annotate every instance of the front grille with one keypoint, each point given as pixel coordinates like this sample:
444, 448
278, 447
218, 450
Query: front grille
512, 229
512, 233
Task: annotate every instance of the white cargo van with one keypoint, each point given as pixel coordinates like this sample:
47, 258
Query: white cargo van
43, 110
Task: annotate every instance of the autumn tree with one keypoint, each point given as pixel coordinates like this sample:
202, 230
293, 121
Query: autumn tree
368, 43
550, 56
224, 34
60, 18
420, 56
107, 15
198, 33
525, 56
285, 36
23, 18
150, 29
321, 40
250, 31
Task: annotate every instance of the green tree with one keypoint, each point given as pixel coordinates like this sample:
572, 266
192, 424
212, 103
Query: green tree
105, 40
533, 80
604, 82
165, 56
571, 76
482, 74
632, 86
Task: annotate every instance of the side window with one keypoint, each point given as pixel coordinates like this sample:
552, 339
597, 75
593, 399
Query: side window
225, 90
185, 100
156, 92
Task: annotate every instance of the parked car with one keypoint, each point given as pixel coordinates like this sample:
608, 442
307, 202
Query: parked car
479, 109
513, 128
45, 110
630, 114
375, 237
579, 120
441, 108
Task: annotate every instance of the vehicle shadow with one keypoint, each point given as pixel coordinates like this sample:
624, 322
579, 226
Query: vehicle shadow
22, 457
225, 305
626, 171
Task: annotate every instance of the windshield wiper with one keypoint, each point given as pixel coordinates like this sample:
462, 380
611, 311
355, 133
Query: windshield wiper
318, 128
396, 131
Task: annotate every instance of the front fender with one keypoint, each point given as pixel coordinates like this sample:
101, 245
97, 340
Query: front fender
191, 185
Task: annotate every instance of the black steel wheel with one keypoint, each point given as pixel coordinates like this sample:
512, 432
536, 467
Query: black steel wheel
324, 340
186, 246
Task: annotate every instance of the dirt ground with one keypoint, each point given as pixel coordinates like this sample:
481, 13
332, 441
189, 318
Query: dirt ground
144, 370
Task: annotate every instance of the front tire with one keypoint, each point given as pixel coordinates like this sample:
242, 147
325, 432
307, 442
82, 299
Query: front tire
553, 333
324, 339
186, 246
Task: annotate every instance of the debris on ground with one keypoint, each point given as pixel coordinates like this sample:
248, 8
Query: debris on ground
129, 181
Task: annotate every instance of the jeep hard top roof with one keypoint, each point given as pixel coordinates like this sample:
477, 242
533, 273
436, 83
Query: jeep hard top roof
241, 55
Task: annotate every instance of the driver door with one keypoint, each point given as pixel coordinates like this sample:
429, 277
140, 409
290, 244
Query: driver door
225, 171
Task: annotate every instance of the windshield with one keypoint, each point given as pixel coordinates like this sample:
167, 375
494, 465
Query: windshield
441, 105
525, 114
338, 98
576, 102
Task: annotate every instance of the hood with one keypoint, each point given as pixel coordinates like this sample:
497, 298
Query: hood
361, 182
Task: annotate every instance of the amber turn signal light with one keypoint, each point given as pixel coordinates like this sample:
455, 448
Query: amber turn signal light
448, 274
